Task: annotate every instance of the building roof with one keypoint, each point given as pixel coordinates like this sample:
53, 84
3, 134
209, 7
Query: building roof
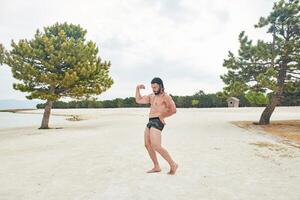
233, 98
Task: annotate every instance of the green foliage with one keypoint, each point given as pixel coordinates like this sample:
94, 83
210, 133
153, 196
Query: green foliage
195, 102
92, 103
198, 100
58, 62
256, 98
1, 54
292, 97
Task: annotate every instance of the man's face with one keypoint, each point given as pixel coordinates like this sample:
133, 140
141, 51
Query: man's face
155, 88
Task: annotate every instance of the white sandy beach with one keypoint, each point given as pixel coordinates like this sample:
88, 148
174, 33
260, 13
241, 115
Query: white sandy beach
103, 157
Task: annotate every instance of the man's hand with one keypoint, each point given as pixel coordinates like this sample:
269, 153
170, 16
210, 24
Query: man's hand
161, 119
140, 86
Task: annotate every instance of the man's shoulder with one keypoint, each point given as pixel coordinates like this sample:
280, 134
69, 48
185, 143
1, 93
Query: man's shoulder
166, 95
151, 96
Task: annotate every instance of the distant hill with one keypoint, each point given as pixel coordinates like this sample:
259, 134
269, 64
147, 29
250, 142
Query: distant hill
17, 104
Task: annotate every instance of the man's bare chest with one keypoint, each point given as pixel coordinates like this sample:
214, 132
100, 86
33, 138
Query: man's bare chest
158, 102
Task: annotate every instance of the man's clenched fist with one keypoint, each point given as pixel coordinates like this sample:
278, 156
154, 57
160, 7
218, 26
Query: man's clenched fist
140, 86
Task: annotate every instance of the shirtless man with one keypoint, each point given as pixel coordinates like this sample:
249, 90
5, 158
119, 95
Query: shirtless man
162, 106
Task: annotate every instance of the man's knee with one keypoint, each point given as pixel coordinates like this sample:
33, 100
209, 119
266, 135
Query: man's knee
156, 147
148, 146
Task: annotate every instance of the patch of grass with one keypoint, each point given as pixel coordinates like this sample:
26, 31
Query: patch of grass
287, 129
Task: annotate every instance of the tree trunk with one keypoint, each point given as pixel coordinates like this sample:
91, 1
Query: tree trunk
266, 114
46, 116
275, 100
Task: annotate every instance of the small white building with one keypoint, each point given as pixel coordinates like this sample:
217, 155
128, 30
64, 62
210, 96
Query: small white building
233, 102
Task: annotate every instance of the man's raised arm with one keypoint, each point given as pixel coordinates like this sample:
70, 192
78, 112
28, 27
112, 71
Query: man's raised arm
141, 99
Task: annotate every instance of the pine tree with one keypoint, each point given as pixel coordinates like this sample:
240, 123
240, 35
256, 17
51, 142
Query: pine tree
268, 66
58, 62
1, 54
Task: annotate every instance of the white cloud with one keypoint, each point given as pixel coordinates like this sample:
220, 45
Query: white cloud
183, 41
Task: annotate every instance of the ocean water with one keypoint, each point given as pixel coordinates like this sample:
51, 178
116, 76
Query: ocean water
17, 120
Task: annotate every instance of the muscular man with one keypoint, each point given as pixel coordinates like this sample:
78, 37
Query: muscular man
162, 106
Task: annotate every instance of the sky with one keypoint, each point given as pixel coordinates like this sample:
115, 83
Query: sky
184, 42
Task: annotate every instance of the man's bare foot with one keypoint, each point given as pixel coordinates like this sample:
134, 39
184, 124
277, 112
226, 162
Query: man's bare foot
173, 169
154, 170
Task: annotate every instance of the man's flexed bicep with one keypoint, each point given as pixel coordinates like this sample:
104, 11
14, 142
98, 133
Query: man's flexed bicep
139, 98
143, 99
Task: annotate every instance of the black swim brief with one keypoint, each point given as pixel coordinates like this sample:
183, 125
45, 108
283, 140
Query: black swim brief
155, 122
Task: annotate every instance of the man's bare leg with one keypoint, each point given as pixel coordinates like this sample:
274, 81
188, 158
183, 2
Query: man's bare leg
151, 152
155, 138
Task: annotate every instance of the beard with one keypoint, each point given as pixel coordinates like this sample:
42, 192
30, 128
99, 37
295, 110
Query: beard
158, 92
